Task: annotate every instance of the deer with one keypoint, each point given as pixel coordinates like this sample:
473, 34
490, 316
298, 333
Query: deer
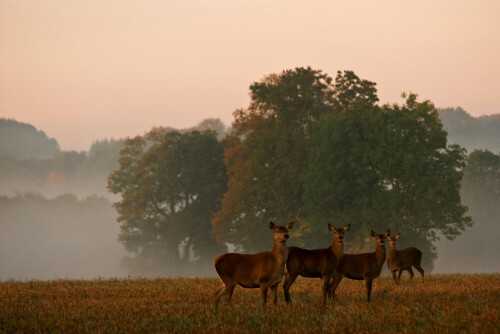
365, 266
403, 259
261, 270
315, 263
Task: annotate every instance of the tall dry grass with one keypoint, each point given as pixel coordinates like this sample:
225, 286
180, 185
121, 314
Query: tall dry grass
444, 304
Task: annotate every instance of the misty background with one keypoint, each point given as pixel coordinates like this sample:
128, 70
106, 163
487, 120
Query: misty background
57, 219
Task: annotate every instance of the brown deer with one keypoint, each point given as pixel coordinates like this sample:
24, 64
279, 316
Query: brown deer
365, 266
262, 270
403, 259
315, 263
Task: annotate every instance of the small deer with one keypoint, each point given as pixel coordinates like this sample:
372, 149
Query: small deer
403, 259
365, 266
315, 263
262, 270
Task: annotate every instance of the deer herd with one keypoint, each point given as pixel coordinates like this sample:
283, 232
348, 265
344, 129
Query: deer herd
266, 270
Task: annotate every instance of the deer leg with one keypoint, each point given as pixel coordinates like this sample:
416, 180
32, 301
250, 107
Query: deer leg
289, 279
394, 276
399, 275
334, 284
218, 295
230, 290
411, 273
263, 292
274, 291
368, 283
419, 268
324, 288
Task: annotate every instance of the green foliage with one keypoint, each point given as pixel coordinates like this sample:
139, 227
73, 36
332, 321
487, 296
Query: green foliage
266, 155
170, 183
386, 167
350, 89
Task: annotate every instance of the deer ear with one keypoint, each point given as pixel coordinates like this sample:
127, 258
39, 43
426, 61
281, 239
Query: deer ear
347, 227
372, 232
330, 227
397, 236
271, 225
289, 225
388, 233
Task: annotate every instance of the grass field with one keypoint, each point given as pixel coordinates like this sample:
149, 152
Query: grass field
444, 304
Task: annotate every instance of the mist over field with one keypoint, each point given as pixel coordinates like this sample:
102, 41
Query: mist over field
57, 220
56, 239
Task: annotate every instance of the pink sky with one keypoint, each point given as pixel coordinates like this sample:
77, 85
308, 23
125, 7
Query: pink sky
85, 70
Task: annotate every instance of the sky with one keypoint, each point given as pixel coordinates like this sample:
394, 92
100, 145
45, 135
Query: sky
87, 70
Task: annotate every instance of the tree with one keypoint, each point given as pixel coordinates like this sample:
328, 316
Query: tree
387, 167
266, 155
349, 89
213, 124
171, 183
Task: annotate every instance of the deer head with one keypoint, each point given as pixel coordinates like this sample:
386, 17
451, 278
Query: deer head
380, 238
281, 232
338, 233
393, 240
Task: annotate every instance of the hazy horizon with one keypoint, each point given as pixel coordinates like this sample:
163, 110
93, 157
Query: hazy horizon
84, 71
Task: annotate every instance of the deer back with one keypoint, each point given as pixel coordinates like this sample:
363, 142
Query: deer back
403, 258
311, 263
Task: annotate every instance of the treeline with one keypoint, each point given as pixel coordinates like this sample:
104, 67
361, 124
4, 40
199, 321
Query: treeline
35, 165
80, 173
21, 141
473, 133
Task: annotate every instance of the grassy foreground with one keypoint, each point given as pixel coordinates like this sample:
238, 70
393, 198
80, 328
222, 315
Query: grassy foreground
444, 303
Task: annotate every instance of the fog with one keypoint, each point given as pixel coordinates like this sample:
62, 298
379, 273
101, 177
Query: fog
62, 238
67, 238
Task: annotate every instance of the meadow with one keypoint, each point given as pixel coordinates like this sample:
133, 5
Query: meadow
443, 303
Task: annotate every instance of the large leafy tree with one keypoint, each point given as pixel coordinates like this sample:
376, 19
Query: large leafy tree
267, 154
387, 167
170, 183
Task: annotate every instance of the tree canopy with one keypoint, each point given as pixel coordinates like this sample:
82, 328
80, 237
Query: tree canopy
171, 183
387, 167
322, 151
266, 155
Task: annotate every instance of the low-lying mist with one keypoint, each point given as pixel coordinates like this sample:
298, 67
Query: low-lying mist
61, 238
68, 238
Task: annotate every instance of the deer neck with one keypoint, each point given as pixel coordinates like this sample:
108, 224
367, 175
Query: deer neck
279, 251
392, 251
337, 248
380, 254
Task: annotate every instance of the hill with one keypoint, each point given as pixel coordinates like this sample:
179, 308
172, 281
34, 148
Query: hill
22, 140
470, 132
